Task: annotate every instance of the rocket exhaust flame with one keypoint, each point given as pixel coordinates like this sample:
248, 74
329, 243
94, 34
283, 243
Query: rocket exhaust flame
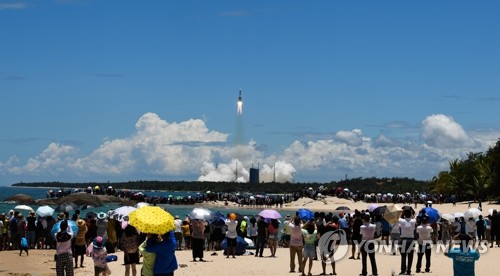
240, 105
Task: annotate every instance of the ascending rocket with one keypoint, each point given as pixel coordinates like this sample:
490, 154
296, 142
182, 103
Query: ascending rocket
240, 105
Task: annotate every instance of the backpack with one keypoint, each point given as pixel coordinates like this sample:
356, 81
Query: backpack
129, 244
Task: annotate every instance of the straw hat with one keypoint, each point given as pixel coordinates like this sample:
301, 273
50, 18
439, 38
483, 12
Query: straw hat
80, 223
61, 216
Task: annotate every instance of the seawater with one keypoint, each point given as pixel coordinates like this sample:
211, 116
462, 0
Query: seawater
180, 210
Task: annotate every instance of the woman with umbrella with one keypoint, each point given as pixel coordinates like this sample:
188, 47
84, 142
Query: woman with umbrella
64, 260
164, 248
272, 238
198, 239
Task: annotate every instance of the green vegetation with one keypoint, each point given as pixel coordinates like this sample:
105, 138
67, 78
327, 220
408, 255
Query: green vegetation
477, 177
367, 185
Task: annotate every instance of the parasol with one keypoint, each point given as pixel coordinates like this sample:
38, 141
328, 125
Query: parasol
269, 213
23, 208
372, 207
122, 213
201, 213
71, 224
472, 213
305, 214
45, 211
393, 213
152, 220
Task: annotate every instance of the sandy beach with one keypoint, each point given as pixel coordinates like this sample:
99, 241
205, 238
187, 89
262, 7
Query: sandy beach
40, 262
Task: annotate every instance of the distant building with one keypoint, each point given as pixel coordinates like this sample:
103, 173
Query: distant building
254, 175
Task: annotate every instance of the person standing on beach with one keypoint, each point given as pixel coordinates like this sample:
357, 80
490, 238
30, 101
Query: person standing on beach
367, 246
261, 237
272, 236
80, 245
296, 244
21, 229
355, 234
178, 232
164, 248
130, 245
310, 234
99, 255
198, 239
4, 226
186, 233
148, 259
31, 230
424, 232
64, 260
407, 242
231, 235
463, 257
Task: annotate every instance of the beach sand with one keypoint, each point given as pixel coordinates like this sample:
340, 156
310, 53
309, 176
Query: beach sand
40, 262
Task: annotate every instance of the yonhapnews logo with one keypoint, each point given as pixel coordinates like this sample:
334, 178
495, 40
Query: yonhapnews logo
333, 246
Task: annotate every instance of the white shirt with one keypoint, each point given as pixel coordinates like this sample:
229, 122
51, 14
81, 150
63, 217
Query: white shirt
407, 227
178, 224
424, 234
231, 229
367, 231
470, 226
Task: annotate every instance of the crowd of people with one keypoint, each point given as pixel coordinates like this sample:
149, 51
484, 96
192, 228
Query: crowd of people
100, 234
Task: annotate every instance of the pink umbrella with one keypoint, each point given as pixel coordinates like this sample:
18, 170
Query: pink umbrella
271, 214
372, 207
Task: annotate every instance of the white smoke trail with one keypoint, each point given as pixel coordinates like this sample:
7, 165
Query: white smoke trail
280, 172
240, 108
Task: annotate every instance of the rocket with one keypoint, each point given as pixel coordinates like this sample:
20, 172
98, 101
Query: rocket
240, 104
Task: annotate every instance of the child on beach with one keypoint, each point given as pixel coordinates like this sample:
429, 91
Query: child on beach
23, 246
148, 261
99, 255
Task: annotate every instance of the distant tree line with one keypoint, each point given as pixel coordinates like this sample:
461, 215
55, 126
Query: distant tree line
476, 177
362, 185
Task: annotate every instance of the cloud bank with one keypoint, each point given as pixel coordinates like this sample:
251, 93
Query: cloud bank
188, 150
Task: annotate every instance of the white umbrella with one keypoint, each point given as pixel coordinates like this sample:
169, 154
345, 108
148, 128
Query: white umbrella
201, 213
458, 215
448, 217
141, 204
472, 213
44, 211
121, 213
23, 208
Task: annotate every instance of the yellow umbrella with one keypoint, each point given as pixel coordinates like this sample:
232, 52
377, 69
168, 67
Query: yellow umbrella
152, 220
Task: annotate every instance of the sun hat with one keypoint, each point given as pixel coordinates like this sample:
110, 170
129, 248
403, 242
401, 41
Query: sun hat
176, 216
61, 216
98, 242
80, 222
101, 215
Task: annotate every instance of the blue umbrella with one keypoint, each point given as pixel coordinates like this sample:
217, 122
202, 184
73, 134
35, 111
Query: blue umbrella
305, 214
218, 219
71, 224
241, 245
432, 213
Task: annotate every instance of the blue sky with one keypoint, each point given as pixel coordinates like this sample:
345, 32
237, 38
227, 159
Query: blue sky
130, 90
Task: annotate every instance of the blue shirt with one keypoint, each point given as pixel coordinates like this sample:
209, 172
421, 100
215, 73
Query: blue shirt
463, 262
165, 261
343, 223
